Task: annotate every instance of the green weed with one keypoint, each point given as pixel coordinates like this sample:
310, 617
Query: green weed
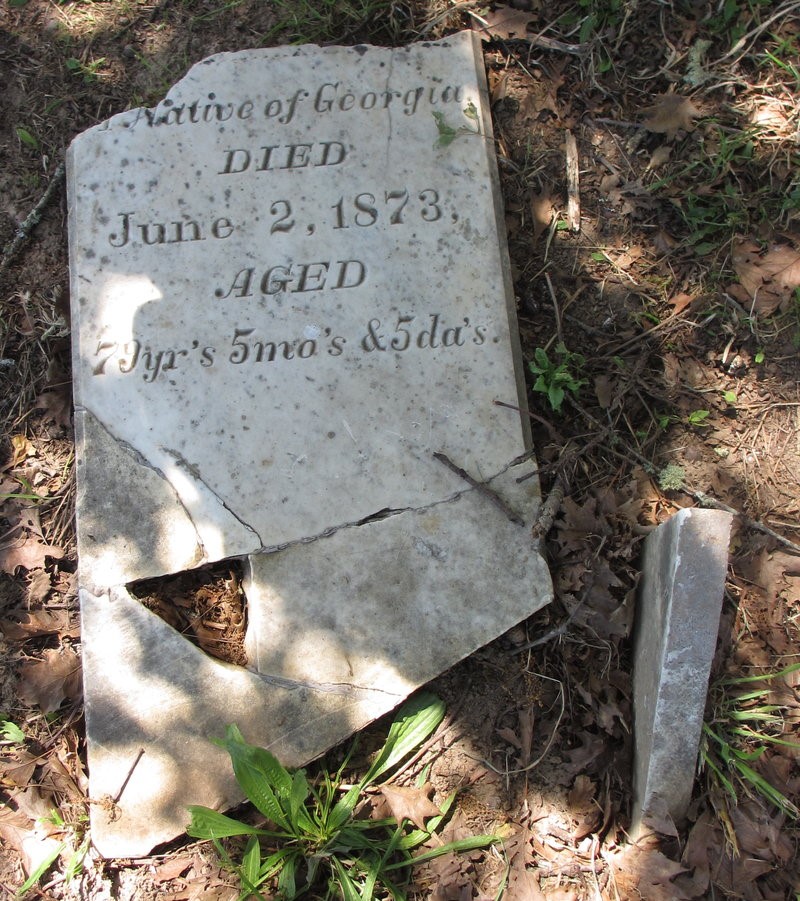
313, 837
742, 725
90, 72
555, 377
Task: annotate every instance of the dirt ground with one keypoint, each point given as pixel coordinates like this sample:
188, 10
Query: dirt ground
669, 319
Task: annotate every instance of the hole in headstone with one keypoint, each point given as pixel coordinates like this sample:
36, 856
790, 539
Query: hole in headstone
206, 605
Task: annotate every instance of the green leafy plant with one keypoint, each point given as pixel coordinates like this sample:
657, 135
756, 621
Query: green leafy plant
89, 71
313, 837
698, 417
742, 725
554, 377
448, 134
11, 731
26, 137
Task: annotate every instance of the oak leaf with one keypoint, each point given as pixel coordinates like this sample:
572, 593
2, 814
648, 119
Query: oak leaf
410, 803
507, 24
46, 683
29, 554
767, 278
669, 114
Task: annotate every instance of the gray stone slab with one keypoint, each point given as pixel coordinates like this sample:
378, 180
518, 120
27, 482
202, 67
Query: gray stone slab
392, 604
290, 298
286, 296
340, 631
680, 598
154, 702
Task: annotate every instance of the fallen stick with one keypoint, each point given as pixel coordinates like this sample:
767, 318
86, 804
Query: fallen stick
573, 184
32, 219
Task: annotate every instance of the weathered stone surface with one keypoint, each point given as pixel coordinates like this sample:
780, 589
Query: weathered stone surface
286, 297
148, 689
289, 295
680, 597
391, 604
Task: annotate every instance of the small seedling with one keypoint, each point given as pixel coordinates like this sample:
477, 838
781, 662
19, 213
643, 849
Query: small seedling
555, 378
730, 398
26, 137
698, 417
448, 134
11, 732
89, 71
313, 837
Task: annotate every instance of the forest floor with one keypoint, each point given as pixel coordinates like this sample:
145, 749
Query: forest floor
663, 337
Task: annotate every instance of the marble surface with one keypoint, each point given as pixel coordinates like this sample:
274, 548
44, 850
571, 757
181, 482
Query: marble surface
287, 295
291, 301
677, 619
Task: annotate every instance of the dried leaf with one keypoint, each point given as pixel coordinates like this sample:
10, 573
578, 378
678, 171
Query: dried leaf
57, 405
507, 24
30, 553
680, 301
38, 622
604, 391
660, 156
46, 683
410, 803
38, 587
581, 794
768, 278
21, 449
542, 211
670, 114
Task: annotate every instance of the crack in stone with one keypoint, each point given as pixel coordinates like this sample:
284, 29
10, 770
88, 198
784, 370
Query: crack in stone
141, 460
345, 689
388, 512
195, 473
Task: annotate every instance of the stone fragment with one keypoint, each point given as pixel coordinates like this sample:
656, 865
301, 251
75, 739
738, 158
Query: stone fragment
680, 598
154, 702
393, 603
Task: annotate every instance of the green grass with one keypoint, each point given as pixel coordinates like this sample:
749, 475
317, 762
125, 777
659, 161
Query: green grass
743, 724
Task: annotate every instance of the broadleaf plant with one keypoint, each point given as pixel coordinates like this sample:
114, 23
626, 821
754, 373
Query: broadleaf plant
312, 840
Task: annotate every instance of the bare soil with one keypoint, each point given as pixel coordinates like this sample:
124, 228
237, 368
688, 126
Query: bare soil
679, 292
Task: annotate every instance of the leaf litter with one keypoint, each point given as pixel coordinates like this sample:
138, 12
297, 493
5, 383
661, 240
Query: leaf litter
566, 815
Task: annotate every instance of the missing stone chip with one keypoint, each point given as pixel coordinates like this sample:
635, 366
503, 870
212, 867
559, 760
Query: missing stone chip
207, 606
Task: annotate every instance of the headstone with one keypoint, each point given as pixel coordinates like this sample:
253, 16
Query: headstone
677, 620
292, 319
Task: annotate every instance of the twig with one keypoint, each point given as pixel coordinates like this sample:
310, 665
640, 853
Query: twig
128, 777
484, 489
573, 184
548, 510
553, 633
550, 741
706, 500
32, 220
555, 306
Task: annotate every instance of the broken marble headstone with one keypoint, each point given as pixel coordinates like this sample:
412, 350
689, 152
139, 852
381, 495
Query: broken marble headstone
291, 308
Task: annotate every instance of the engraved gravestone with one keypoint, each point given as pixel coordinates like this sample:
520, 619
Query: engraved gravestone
291, 304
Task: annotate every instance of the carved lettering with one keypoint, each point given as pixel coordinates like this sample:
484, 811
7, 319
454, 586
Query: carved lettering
297, 278
177, 232
287, 156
